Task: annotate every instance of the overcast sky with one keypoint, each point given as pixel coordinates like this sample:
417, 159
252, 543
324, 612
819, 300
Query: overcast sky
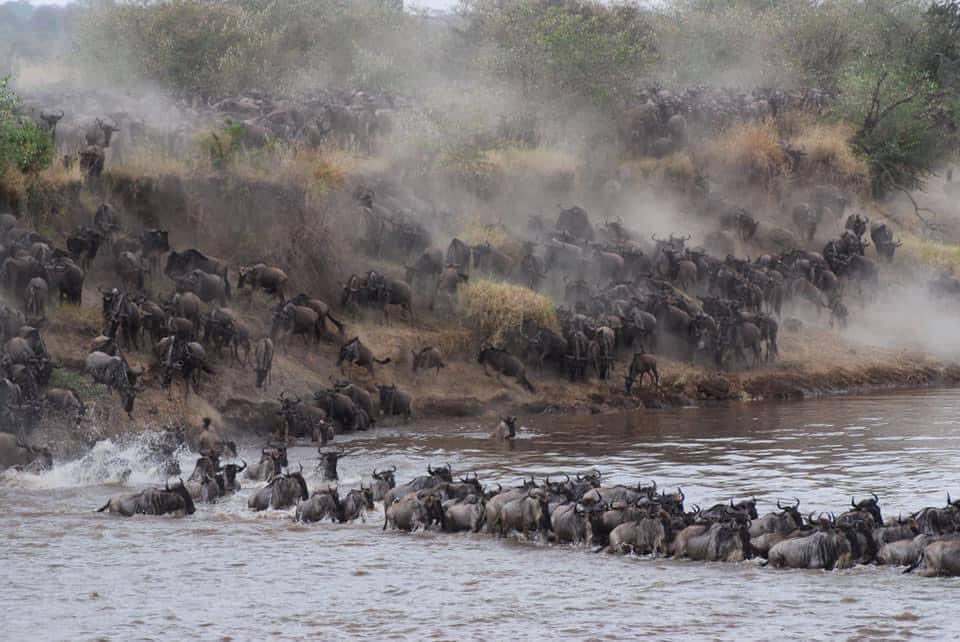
429, 4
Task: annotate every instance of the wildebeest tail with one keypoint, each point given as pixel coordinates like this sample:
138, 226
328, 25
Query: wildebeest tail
919, 561
104, 507
226, 282
382, 361
526, 383
336, 323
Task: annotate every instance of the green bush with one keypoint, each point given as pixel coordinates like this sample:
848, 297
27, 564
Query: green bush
23, 145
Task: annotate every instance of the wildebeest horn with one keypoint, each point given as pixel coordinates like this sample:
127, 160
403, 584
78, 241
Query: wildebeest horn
393, 469
429, 469
680, 492
653, 237
875, 498
240, 470
301, 468
852, 502
948, 498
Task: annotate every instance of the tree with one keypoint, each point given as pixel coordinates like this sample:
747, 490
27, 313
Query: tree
23, 145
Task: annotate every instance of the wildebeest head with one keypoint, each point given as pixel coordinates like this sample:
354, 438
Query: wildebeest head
298, 477
349, 352
184, 494
870, 505
230, 471
244, 273
443, 472
473, 481
155, 240
367, 493
386, 476
329, 460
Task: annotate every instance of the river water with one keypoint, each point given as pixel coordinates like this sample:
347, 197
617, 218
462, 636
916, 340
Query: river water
226, 573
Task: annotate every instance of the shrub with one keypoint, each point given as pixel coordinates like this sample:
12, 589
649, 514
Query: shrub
750, 149
24, 147
499, 311
828, 147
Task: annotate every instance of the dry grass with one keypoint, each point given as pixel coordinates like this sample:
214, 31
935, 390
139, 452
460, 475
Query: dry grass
148, 161
496, 235
76, 319
499, 310
828, 146
58, 175
933, 254
539, 161
677, 165
751, 148
14, 183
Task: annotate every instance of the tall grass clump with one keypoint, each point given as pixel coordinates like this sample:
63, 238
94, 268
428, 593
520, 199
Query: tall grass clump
499, 311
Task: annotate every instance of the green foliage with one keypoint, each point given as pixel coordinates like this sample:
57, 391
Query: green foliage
23, 144
896, 110
209, 47
221, 146
582, 47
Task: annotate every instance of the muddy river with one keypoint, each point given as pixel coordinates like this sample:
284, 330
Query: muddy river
225, 573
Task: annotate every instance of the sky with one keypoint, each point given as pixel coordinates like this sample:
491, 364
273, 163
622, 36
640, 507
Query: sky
428, 4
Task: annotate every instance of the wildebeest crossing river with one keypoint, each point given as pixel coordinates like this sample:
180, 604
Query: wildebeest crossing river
226, 572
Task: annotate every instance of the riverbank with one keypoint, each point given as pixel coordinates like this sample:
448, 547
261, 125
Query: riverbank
813, 362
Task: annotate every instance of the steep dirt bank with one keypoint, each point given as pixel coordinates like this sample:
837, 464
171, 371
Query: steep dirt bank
814, 361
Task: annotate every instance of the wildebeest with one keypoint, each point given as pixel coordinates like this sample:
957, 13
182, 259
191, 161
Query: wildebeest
188, 359
84, 244
433, 478
271, 280
826, 549
383, 482
427, 358
353, 351
128, 267
489, 260
66, 402
154, 243
446, 287
939, 559
458, 255
294, 320
152, 501
882, 237
328, 463
14, 453
463, 515
546, 345
263, 361
641, 365
272, 461
529, 512
647, 536
413, 511
115, 373
806, 219
321, 308
281, 492
506, 429
324, 503
503, 363
66, 280
35, 299
208, 287
395, 402
379, 291
181, 264
718, 542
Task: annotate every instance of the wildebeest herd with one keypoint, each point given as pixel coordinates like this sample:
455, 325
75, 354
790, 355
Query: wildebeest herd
638, 519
